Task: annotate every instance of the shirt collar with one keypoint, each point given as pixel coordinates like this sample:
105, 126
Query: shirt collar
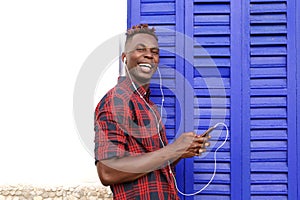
141, 89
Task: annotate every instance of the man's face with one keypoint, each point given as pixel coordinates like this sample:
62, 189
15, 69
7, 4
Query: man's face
142, 55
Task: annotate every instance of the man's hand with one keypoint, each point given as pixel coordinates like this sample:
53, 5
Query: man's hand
189, 144
119, 170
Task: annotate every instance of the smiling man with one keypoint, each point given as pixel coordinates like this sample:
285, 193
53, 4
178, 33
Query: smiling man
141, 56
132, 153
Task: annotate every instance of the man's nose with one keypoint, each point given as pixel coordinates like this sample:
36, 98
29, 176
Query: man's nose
148, 53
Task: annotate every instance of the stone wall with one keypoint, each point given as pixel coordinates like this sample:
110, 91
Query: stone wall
30, 192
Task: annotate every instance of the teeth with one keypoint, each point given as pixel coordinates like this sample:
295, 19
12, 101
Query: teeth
145, 65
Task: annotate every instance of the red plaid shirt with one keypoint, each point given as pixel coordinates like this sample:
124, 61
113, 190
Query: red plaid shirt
125, 126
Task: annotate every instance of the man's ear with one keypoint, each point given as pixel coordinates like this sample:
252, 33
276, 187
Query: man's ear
124, 61
122, 71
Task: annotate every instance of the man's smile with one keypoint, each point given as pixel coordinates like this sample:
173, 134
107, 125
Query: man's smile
145, 67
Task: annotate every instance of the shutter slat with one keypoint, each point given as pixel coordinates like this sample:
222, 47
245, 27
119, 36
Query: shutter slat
212, 51
211, 30
268, 83
268, 61
268, 123
268, 29
158, 9
268, 40
268, 8
157, 19
205, 8
205, 62
207, 40
268, 72
268, 50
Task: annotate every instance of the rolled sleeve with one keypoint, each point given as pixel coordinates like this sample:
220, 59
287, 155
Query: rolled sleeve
110, 133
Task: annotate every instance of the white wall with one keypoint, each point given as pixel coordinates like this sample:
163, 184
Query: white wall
43, 45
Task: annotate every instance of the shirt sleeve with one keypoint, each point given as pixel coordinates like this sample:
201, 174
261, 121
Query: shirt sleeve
110, 132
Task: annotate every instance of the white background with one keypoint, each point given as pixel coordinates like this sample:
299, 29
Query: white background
43, 45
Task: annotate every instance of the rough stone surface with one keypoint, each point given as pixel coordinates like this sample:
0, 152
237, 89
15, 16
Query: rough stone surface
30, 192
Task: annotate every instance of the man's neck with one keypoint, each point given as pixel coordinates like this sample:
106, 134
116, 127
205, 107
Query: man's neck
138, 84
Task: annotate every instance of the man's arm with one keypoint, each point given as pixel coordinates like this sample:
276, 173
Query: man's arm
119, 170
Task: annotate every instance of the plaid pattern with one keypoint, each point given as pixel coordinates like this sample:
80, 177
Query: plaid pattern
125, 126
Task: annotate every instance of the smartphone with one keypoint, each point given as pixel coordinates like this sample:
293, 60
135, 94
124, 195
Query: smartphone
205, 134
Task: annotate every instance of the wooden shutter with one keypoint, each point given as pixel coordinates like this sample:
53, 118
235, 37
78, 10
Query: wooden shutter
208, 23
166, 16
254, 48
269, 94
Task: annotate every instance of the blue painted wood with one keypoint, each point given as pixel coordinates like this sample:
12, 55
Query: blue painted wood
261, 29
211, 85
212, 30
165, 14
157, 19
268, 50
268, 18
237, 185
246, 101
179, 59
291, 100
269, 102
269, 113
268, 83
268, 40
134, 13
158, 1
268, 61
297, 51
273, 7
207, 62
266, 1
268, 72
254, 47
210, 20
206, 40
268, 80
159, 8
189, 93
211, 1
205, 8
258, 135
274, 92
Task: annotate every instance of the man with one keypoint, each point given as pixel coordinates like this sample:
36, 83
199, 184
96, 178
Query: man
132, 154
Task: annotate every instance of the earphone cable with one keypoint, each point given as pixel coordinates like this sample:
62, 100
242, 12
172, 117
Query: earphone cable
158, 130
215, 164
156, 119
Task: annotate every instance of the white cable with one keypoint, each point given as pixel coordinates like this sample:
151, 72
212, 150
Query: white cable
156, 119
215, 163
158, 122
162, 93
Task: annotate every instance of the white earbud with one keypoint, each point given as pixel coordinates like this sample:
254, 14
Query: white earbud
124, 61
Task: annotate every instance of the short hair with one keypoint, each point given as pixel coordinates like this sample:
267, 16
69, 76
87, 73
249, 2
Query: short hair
137, 29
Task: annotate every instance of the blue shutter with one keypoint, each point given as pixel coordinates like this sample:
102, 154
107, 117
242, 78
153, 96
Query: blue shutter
208, 23
241, 68
165, 15
268, 90
161, 14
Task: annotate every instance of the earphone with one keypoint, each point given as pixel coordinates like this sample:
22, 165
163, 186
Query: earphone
215, 163
158, 128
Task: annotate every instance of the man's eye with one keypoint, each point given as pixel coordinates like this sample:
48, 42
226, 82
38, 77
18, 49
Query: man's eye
155, 52
141, 49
